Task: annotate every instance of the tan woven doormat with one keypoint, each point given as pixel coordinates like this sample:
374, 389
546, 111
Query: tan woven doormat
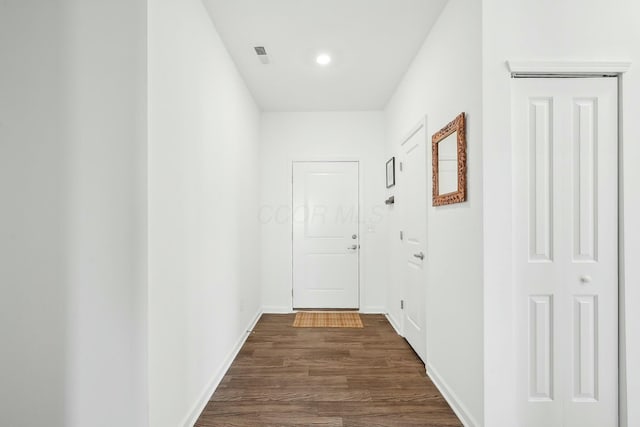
327, 319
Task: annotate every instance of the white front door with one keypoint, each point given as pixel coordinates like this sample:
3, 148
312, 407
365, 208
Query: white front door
565, 139
413, 191
325, 235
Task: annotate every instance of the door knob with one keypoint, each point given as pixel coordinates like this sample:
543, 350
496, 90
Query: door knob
353, 247
419, 255
585, 279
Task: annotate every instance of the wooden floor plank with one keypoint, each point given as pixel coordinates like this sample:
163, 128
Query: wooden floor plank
285, 376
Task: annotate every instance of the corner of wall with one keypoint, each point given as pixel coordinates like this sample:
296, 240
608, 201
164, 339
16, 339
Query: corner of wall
208, 391
457, 405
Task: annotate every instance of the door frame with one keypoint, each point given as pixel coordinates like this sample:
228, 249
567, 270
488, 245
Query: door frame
595, 69
326, 159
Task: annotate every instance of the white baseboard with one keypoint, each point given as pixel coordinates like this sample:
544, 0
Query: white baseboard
452, 399
394, 323
274, 309
373, 310
211, 387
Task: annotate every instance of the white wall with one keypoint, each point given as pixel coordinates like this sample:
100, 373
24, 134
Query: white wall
443, 81
203, 202
547, 30
73, 215
286, 137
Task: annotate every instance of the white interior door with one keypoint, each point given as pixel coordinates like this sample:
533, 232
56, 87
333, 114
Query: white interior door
566, 250
413, 203
325, 235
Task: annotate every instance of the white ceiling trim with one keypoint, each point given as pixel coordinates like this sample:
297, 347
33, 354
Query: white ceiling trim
528, 68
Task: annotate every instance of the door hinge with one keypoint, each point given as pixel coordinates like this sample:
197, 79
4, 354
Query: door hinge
400, 166
401, 235
401, 304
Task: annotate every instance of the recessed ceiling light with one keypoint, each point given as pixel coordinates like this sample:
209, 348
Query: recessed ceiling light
323, 59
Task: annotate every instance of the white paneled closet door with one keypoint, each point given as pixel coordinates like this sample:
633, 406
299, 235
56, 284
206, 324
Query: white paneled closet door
565, 141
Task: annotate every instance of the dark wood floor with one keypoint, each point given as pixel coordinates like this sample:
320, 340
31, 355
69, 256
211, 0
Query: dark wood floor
287, 376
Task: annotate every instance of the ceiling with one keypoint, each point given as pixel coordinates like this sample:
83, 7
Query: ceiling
371, 42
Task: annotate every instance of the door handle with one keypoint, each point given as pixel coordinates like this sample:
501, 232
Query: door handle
419, 255
353, 247
585, 279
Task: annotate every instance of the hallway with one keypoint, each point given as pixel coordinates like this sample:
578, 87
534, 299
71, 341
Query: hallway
332, 377
175, 172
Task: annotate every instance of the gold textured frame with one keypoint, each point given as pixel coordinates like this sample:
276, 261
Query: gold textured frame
457, 125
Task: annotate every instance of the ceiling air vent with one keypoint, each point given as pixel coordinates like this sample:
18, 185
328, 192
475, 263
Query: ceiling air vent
262, 54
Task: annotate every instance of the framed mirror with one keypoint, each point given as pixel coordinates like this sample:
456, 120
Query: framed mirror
449, 148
